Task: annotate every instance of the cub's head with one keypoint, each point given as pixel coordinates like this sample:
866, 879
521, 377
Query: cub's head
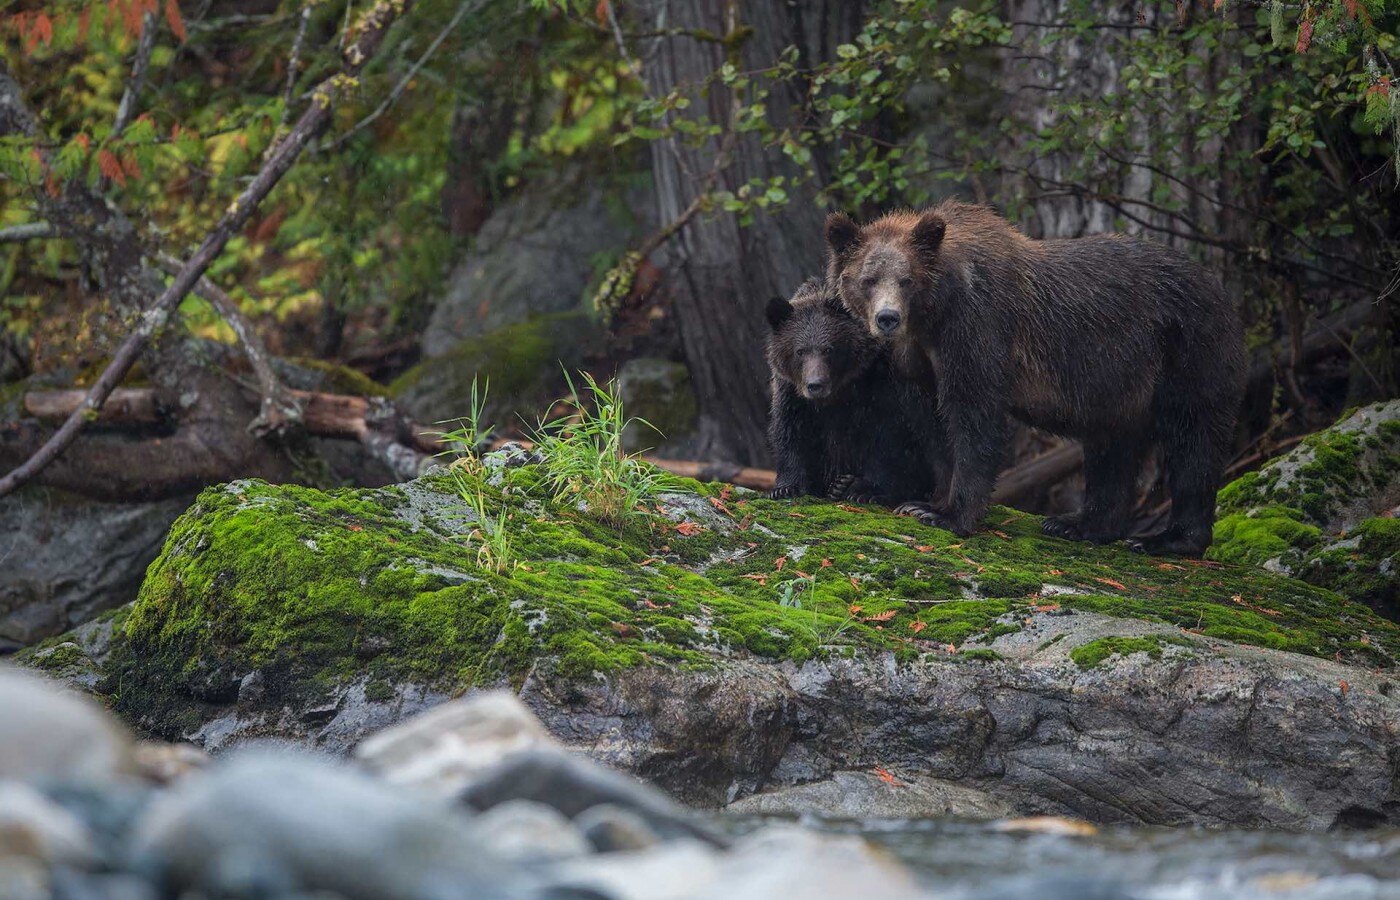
816, 345
880, 268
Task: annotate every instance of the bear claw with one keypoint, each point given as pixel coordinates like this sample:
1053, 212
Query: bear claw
1063, 527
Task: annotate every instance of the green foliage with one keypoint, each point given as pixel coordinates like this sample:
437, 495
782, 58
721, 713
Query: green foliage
584, 462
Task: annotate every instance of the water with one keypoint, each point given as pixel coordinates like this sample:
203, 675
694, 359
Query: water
958, 860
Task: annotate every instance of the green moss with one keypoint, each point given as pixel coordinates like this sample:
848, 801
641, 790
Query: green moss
1262, 534
319, 588
340, 379
1365, 566
1095, 653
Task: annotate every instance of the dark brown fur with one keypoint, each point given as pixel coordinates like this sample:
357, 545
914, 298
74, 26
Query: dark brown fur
843, 422
1119, 342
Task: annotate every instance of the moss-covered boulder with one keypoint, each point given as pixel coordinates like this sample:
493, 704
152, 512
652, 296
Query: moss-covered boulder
1325, 512
723, 644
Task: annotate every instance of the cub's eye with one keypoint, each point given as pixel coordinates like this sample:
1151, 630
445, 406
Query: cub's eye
869, 281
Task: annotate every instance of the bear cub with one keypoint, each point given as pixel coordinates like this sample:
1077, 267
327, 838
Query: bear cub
843, 423
1124, 344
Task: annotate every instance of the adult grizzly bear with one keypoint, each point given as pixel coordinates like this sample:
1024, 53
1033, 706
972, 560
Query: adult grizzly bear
843, 423
1118, 342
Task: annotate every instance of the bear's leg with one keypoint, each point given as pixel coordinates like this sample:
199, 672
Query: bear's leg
1110, 475
1194, 450
980, 437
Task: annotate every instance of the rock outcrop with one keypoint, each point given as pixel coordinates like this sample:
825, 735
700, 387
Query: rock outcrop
772, 655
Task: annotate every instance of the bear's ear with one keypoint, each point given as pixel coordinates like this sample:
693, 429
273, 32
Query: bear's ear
842, 234
778, 312
928, 233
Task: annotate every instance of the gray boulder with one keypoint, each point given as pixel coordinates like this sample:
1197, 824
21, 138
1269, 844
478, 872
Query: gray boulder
50, 733
537, 254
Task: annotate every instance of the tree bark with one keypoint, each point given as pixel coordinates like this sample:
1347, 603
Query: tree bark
720, 274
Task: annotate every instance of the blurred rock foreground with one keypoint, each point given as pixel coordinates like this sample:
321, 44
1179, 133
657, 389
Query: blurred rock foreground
473, 799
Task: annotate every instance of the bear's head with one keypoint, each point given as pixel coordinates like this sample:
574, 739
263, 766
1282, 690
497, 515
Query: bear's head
816, 345
880, 269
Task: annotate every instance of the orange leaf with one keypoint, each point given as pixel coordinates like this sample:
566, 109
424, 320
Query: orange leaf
855, 582
1111, 583
1305, 33
796, 515
854, 608
882, 617
688, 529
917, 626
41, 31
826, 564
82, 140
886, 777
600, 12
726, 492
924, 548
849, 508
110, 167
130, 166
718, 504
779, 563
172, 17
1345, 687
1001, 534
762, 579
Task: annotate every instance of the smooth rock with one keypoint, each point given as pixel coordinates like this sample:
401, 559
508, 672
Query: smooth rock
572, 784
31, 825
527, 832
450, 746
163, 763
615, 829
51, 732
789, 861
658, 394
866, 795
265, 818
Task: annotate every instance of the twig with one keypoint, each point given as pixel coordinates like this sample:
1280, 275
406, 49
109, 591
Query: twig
369, 36
412, 72
29, 231
279, 410
293, 62
126, 110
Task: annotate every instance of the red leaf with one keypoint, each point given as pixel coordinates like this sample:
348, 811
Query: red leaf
1351, 8
886, 777
688, 529
924, 548
600, 12
1111, 583
82, 140
41, 31
779, 563
1345, 687
130, 166
110, 167
882, 617
854, 608
172, 17
826, 564
917, 626
1305, 33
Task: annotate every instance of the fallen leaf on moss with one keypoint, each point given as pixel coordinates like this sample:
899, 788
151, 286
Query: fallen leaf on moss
779, 563
881, 617
917, 626
688, 529
1111, 583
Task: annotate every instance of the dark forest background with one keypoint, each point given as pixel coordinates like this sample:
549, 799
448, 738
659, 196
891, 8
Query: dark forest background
322, 222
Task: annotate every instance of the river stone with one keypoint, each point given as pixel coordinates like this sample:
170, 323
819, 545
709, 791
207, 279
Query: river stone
53, 733
613, 829
868, 795
572, 784
33, 826
268, 820
448, 747
526, 832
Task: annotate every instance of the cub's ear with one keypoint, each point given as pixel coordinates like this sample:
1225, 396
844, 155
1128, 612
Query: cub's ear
842, 234
778, 312
928, 233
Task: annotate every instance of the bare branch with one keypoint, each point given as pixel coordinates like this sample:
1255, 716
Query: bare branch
369, 35
279, 410
412, 72
293, 63
29, 231
140, 63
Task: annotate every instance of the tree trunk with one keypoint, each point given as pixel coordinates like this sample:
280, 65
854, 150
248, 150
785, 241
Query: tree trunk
721, 274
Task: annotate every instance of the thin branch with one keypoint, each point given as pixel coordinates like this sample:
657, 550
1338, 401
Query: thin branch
369, 36
412, 72
140, 63
293, 63
29, 231
278, 410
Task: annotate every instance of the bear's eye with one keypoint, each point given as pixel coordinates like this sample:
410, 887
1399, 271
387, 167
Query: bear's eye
906, 281
869, 281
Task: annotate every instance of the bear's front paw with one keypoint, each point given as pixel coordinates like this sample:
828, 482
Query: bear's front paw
1169, 543
784, 492
852, 488
926, 514
1063, 527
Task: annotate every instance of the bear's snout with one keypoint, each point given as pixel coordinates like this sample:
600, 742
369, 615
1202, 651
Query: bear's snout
887, 320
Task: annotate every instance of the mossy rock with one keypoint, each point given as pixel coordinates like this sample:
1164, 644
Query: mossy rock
1325, 510
522, 363
317, 589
